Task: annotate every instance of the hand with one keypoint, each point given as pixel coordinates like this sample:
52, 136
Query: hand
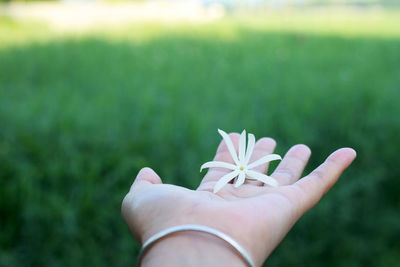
255, 215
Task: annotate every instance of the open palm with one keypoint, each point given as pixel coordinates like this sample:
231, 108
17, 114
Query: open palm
258, 216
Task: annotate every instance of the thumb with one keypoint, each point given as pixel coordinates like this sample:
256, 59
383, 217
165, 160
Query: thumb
146, 176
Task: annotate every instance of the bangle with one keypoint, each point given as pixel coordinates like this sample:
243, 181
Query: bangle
198, 228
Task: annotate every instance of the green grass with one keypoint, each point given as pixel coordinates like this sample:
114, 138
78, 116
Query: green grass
81, 114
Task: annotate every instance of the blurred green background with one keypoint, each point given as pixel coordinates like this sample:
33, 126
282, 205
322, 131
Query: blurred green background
81, 113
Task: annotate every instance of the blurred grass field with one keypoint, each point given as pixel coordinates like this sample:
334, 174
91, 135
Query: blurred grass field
80, 114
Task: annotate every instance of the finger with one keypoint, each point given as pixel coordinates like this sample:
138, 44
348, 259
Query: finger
317, 183
223, 155
263, 147
291, 167
146, 176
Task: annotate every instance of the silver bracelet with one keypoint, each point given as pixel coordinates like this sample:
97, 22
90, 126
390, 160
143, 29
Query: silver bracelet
199, 228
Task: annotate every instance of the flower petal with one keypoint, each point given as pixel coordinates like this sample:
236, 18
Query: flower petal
263, 160
242, 147
224, 180
220, 164
230, 146
262, 178
250, 147
240, 179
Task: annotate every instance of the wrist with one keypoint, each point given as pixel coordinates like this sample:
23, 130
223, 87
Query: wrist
192, 249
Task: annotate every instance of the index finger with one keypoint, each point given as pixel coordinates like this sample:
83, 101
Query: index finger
223, 155
315, 185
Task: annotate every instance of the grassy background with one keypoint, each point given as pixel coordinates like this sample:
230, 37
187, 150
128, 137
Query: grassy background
80, 114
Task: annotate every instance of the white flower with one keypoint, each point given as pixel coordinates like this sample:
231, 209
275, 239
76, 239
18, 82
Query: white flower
242, 168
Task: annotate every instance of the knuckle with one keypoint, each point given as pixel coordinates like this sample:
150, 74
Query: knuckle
283, 173
319, 174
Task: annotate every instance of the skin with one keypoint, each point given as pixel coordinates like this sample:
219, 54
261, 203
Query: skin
257, 216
